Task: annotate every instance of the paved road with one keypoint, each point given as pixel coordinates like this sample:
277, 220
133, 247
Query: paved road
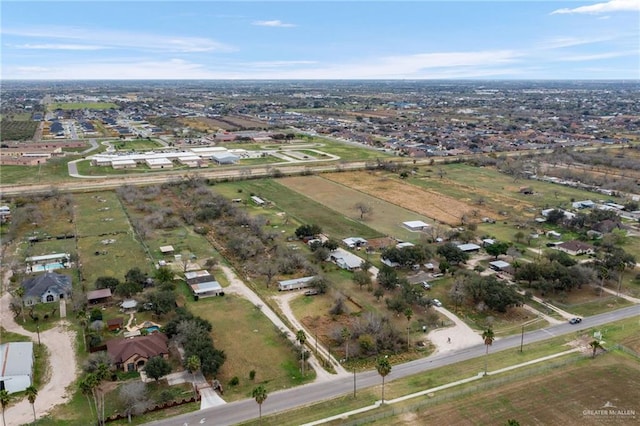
242, 411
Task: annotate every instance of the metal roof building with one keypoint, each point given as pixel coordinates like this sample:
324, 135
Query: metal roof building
16, 365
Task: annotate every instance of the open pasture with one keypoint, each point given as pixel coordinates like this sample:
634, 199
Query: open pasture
386, 217
99, 214
569, 395
302, 206
432, 204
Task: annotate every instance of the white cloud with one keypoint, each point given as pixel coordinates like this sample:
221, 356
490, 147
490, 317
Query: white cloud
53, 46
274, 23
562, 42
607, 7
122, 39
598, 56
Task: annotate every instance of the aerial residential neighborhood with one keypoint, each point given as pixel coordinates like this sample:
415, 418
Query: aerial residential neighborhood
307, 213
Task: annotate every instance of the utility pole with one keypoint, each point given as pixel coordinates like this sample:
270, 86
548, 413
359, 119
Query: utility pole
354, 381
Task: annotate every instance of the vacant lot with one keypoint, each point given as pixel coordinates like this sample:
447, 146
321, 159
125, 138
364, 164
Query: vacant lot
251, 342
386, 217
17, 130
302, 206
568, 395
432, 204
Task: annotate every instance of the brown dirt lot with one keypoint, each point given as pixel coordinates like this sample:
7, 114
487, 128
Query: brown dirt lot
432, 204
568, 396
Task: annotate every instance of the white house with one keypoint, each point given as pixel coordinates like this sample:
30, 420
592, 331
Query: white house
354, 242
203, 284
295, 284
16, 365
345, 259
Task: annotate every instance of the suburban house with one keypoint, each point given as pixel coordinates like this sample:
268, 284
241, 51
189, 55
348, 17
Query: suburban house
132, 354
16, 365
48, 287
575, 248
295, 284
203, 284
345, 259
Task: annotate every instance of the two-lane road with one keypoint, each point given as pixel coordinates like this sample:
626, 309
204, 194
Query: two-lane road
242, 411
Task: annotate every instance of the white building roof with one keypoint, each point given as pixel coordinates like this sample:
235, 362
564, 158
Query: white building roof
45, 257
206, 287
469, 247
415, 224
162, 161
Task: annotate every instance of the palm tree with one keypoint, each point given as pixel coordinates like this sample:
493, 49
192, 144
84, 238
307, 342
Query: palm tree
595, 345
260, 395
83, 320
4, 400
384, 368
346, 335
408, 313
488, 337
32, 393
301, 337
193, 364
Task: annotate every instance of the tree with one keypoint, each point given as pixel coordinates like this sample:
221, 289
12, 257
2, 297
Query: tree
32, 393
157, 367
345, 333
308, 231
384, 368
128, 289
387, 277
595, 345
4, 401
192, 365
260, 395
162, 301
518, 236
361, 277
408, 313
555, 216
301, 338
488, 337
452, 253
363, 208
164, 275
134, 398
497, 248
107, 282
136, 276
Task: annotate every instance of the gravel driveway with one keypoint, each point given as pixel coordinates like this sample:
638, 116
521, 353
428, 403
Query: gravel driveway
63, 366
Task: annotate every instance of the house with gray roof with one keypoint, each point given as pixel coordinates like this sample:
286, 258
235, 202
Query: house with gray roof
48, 287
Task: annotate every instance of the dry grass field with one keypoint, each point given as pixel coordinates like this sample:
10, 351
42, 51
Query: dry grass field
386, 217
567, 396
440, 207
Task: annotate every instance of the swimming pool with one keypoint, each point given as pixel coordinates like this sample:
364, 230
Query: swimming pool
47, 267
152, 329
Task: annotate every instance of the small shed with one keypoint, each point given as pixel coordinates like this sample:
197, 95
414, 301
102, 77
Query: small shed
499, 265
166, 249
115, 324
129, 305
415, 225
257, 200
469, 247
99, 296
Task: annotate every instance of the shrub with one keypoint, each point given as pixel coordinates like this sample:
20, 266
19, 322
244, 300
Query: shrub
252, 374
234, 381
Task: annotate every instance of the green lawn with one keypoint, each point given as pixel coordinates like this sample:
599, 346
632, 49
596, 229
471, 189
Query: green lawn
254, 344
54, 171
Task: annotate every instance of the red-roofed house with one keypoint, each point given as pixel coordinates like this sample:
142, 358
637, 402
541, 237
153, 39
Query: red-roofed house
132, 354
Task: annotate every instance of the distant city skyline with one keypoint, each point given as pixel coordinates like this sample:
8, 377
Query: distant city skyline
254, 40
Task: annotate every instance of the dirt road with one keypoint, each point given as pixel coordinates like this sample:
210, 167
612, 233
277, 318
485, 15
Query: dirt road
63, 367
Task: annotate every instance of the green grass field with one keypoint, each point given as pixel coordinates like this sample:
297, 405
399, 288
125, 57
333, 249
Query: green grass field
53, 172
81, 105
275, 363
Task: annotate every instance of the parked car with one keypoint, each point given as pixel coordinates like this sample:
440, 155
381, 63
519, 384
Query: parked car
425, 285
437, 303
575, 320
311, 293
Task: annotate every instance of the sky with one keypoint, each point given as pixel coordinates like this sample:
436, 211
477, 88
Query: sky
269, 40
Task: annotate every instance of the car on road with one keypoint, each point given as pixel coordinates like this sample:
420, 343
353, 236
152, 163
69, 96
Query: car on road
425, 285
436, 302
575, 320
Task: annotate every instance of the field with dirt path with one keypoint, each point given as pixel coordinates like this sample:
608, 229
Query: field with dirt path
435, 205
